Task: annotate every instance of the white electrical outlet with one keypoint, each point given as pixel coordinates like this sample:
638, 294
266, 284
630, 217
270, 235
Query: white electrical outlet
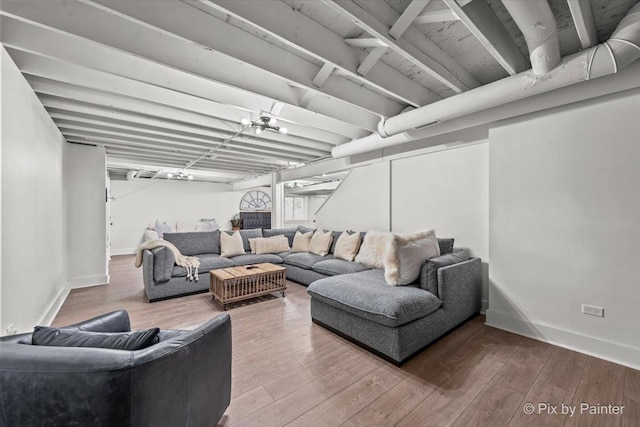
592, 310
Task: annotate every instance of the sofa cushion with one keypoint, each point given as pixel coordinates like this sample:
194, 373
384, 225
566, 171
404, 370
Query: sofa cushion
195, 243
429, 273
288, 232
367, 295
347, 246
320, 242
304, 260
231, 244
136, 340
207, 262
446, 246
332, 267
248, 234
256, 259
301, 241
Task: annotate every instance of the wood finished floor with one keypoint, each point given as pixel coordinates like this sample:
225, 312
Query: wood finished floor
288, 371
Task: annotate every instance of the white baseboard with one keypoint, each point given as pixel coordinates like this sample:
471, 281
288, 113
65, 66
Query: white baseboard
54, 307
87, 281
125, 251
592, 346
484, 307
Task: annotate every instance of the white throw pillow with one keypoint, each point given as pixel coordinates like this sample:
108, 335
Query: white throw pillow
374, 249
231, 245
162, 227
347, 246
207, 225
272, 245
301, 242
320, 242
406, 254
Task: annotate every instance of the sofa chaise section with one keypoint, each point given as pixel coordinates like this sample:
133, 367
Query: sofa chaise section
396, 322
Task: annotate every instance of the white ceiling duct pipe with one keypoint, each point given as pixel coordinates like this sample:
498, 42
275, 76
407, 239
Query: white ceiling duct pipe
620, 50
535, 20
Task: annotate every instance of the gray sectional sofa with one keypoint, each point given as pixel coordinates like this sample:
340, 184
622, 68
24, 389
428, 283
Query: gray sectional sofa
348, 298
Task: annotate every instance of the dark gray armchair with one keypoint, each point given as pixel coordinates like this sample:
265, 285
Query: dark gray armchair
185, 380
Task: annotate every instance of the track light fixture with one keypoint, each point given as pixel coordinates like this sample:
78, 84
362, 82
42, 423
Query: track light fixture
264, 123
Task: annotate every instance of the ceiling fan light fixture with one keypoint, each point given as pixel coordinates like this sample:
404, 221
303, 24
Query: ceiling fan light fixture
283, 130
245, 122
169, 175
272, 121
258, 130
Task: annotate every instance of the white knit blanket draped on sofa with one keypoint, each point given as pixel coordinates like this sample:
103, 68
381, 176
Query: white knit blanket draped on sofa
190, 263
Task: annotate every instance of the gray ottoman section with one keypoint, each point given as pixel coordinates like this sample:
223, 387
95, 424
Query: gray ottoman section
367, 295
333, 267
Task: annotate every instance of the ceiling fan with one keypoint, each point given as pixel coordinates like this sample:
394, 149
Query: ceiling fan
264, 123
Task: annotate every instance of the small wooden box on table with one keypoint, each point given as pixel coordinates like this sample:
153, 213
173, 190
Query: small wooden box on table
233, 284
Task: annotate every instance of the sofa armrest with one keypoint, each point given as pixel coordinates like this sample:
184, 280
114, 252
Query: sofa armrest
460, 287
116, 321
157, 264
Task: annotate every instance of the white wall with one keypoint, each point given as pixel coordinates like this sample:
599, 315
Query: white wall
361, 202
33, 238
564, 226
85, 204
449, 192
140, 202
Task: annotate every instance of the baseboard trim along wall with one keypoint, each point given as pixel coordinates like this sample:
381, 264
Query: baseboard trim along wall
88, 281
592, 346
54, 307
126, 251
484, 307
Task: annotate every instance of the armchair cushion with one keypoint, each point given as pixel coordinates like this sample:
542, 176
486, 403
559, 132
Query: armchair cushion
74, 338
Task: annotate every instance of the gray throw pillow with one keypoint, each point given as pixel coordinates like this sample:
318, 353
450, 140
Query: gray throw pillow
136, 340
429, 273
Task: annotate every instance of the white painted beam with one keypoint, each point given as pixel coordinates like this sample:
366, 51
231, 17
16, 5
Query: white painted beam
187, 22
260, 181
301, 32
584, 22
313, 188
112, 163
179, 65
483, 23
371, 59
436, 62
306, 98
320, 79
436, 16
77, 78
365, 42
406, 19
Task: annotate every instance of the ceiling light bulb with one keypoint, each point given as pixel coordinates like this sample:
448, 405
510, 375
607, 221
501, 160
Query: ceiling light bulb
283, 130
245, 122
169, 175
190, 177
258, 131
272, 121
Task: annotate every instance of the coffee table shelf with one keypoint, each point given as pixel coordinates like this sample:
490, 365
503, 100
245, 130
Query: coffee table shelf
239, 283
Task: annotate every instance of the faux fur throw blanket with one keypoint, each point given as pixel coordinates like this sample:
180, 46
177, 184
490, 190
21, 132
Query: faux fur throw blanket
190, 263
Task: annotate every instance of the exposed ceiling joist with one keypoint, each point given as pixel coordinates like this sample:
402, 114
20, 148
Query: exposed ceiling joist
436, 16
483, 23
429, 57
178, 65
226, 176
283, 22
584, 22
406, 19
321, 78
365, 42
185, 21
371, 59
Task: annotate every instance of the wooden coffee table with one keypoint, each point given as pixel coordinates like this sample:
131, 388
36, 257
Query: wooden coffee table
233, 284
